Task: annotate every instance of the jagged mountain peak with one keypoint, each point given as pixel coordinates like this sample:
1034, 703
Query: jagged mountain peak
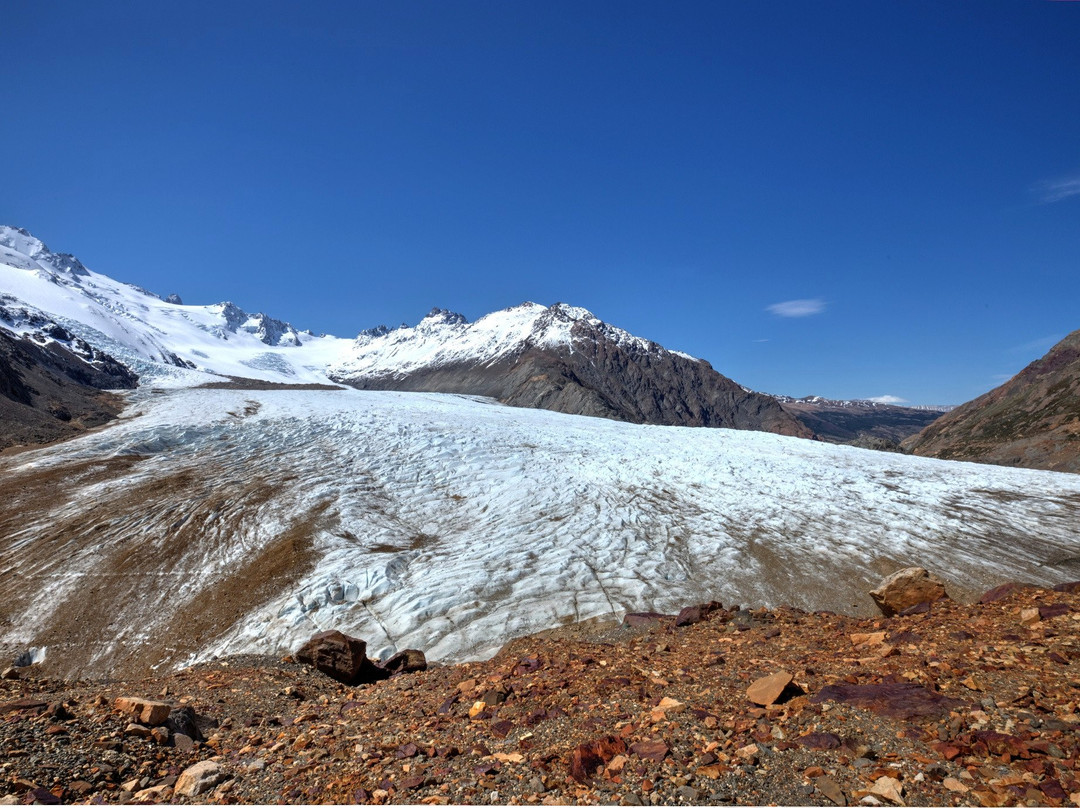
22, 241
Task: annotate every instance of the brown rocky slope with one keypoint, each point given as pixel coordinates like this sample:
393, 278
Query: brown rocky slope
950, 704
1031, 421
48, 392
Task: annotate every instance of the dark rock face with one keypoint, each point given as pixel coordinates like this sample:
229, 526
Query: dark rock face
344, 658
606, 378
340, 657
408, 661
52, 388
1031, 421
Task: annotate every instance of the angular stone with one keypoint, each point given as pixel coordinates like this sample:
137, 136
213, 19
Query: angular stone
1029, 617
655, 751
890, 788
1003, 591
340, 657
199, 779
587, 757
408, 661
829, 788
1070, 588
767, 690
151, 713
689, 615
907, 588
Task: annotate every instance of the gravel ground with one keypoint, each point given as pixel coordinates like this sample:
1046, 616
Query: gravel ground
963, 705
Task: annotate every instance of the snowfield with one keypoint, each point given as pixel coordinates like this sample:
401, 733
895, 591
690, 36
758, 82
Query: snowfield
452, 524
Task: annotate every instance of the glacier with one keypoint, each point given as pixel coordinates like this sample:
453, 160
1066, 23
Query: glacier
452, 524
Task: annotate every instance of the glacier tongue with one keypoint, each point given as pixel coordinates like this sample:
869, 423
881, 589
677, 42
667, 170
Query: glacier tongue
452, 524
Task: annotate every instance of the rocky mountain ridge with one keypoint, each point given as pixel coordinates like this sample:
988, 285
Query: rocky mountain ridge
1030, 421
561, 358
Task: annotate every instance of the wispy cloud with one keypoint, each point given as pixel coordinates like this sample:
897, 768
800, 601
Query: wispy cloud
1050, 191
888, 400
797, 308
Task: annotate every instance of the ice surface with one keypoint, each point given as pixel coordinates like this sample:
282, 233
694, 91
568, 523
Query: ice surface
451, 524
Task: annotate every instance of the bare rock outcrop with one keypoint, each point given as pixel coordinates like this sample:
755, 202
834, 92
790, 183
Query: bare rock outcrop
907, 588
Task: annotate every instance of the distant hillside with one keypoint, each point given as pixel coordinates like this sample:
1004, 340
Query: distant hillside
1031, 421
849, 421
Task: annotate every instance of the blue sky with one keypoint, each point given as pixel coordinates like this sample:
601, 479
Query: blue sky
909, 171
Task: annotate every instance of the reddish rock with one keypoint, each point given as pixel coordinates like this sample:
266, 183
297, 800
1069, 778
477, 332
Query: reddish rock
151, 713
819, 740
904, 701
695, 614
1003, 591
1053, 610
588, 757
340, 657
650, 750
907, 588
1070, 588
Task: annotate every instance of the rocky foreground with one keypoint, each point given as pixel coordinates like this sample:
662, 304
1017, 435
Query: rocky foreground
949, 704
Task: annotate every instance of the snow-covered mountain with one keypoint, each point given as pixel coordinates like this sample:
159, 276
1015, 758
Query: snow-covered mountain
161, 341
561, 358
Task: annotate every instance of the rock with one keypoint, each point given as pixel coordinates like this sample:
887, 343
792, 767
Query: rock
1029, 617
587, 757
819, 740
154, 794
1070, 588
10, 673
872, 638
340, 657
151, 713
903, 701
768, 689
138, 731
890, 788
408, 661
695, 614
906, 588
185, 743
953, 784
199, 779
1003, 591
655, 751
181, 721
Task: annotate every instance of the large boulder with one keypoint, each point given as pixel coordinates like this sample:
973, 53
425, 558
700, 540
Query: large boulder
906, 588
340, 657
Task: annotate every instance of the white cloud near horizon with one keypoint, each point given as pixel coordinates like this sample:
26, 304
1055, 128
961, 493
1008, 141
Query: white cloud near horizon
1050, 191
888, 400
797, 308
